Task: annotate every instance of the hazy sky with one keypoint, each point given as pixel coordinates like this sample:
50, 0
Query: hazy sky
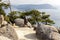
52, 2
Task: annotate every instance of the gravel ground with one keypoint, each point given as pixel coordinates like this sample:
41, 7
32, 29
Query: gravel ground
26, 33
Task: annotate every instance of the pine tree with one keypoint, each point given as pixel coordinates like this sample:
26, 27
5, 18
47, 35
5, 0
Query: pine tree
2, 7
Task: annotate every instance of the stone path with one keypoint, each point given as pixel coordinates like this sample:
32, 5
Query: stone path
26, 34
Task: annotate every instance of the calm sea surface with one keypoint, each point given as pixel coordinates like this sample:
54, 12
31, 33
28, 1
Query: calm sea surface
55, 15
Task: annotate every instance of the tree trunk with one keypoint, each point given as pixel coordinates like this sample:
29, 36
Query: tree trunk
46, 23
25, 20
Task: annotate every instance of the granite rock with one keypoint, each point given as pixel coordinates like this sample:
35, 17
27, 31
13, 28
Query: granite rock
45, 32
9, 32
19, 22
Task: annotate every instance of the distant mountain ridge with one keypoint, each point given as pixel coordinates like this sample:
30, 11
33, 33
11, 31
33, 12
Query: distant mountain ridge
30, 6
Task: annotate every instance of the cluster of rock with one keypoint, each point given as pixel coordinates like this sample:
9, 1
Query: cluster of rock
46, 32
43, 32
7, 32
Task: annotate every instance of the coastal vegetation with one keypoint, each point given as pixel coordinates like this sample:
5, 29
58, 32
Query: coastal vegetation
33, 16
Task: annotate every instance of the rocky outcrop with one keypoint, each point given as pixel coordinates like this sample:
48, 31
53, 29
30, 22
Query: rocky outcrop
7, 32
46, 32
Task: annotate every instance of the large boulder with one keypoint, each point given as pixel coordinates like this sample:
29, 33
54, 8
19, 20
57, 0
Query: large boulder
8, 32
19, 22
45, 32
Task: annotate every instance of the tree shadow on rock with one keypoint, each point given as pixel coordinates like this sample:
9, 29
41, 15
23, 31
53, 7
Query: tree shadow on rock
31, 36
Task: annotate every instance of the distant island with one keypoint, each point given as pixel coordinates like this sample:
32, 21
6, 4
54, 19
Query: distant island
31, 6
